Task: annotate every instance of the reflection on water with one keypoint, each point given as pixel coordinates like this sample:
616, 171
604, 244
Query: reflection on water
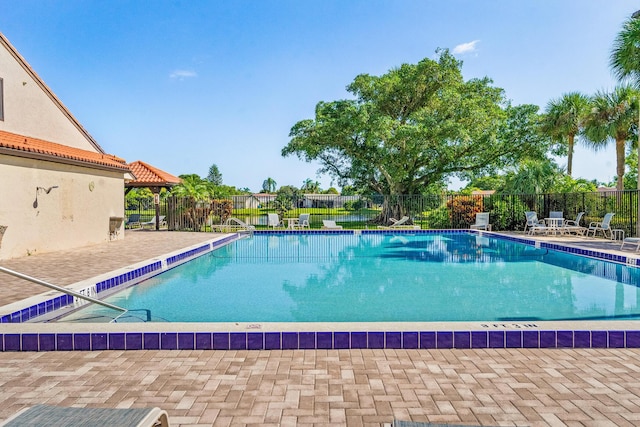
263, 219
386, 277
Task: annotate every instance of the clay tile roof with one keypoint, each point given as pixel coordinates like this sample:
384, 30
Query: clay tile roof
24, 146
147, 175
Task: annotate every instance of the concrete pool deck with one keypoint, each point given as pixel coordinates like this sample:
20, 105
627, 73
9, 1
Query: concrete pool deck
510, 387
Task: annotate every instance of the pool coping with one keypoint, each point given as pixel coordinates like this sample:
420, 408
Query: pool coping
18, 334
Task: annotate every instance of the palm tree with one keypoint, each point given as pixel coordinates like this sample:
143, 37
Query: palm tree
613, 117
625, 56
532, 177
625, 63
195, 190
269, 185
310, 186
563, 120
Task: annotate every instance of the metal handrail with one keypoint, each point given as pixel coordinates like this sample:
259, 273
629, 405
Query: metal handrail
63, 290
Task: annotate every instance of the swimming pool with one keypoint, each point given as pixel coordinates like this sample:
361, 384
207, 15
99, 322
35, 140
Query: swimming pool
444, 277
26, 326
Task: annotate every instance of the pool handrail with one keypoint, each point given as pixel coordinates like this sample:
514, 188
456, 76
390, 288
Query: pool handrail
64, 290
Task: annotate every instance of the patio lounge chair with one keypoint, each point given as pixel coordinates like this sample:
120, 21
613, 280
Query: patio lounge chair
274, 220
573, 226
133, 219
533, 224
233, 224
482, 222
632, 241
44, 415
303, 221
330, 225
152, 223
604, 226
399, 224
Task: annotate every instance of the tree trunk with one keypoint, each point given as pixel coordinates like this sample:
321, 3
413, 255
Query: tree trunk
393, 206
570, 154
620, 164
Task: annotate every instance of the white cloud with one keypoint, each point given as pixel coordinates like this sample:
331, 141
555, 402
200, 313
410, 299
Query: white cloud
465, 47
182, 74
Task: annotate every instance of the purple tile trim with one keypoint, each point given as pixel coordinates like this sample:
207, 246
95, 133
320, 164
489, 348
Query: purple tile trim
564, 339
341, 340
358, 340
255, 341
204, 341
98, 341
462, 340
599, 339
479, 339
530, 339
12, 342
496, 339
82, 342
186, 341
375, 340
321, 340
289, 340
238, 341
581, 339
47, 342
117, 342
29, 342
64, 342
427, 340
272, 341
393, 340
410, 340
151, 341
307, 340
444, 339
547, 339
221, 341
633, 339
325, 340
616, 339
169, 341
133, 341
513, 339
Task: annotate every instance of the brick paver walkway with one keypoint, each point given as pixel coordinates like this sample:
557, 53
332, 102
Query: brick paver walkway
501, 387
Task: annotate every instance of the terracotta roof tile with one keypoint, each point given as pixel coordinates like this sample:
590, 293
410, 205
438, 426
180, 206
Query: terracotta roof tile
148, 175
52, 151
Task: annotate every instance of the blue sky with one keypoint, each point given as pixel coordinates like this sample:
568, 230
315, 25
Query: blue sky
186, 84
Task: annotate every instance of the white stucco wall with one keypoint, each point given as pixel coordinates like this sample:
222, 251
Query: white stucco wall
30, 111
74, 214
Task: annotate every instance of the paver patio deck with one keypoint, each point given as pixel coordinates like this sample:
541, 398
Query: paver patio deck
499, 387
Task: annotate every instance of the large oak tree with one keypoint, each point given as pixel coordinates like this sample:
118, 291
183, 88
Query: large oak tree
413, 127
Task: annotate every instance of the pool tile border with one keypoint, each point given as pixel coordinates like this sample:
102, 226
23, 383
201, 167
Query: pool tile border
306, 340
338, 340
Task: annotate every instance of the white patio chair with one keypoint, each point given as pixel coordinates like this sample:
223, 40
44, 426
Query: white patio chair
482, 222
330, 225
303, 221
604, 226
274, 221
532, 221
573, 226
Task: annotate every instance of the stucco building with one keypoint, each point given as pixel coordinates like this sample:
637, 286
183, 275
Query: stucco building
58, 188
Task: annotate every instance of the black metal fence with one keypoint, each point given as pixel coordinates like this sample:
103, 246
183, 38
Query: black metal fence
430, 211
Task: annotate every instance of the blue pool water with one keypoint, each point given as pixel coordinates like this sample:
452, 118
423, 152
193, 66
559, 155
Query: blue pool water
384, 278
